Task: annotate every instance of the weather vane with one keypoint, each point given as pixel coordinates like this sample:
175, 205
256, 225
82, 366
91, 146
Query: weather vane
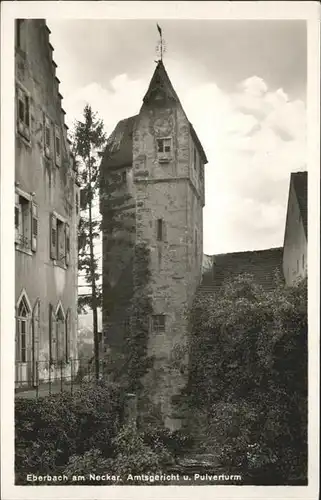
161, 46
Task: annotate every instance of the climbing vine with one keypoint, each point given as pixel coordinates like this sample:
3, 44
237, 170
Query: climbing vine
138, 361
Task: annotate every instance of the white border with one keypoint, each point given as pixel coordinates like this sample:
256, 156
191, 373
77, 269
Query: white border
153, 10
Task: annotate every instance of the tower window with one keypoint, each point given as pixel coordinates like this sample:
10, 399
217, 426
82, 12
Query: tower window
158, 323
124, 177
164, 146
160, 229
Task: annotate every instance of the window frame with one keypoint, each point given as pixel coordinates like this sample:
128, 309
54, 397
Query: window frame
23, 231
22, 320
24, 122
157, 326
164, 155
56, 221
160, 229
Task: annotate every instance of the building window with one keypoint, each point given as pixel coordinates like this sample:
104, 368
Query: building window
164, 148
59, 240
47, 137
57, 147
158, 323
26, 223
60, 353
23, 113
23, 316
160, 229
124, 177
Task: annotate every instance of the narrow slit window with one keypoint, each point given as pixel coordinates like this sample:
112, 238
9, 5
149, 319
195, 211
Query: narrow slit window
160, 229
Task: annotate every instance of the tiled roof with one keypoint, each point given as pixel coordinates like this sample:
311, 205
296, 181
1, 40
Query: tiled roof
300, 184
262, 264
119, 150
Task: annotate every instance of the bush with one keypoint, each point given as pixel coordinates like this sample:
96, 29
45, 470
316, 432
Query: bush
249, 375
48, 431
176, 442
134, 456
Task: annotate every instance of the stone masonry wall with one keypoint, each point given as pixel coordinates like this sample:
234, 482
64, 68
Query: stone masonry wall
164, 190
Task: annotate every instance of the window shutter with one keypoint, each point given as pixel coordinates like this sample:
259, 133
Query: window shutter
27, 117
53, 237
17, 217
34, 226
67, 243
67, 334
47, 141
57, 146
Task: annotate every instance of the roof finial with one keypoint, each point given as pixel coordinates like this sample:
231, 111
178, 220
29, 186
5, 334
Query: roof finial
161, 46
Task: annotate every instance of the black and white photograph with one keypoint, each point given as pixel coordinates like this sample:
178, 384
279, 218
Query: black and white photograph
159, 183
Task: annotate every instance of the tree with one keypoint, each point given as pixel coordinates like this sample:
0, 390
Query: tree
88, 141
249, 372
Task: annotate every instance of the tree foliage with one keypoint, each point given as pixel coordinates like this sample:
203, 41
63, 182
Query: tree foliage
50, 430
88, 141
249, 371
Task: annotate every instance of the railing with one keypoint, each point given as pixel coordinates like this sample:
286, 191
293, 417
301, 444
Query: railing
41, 378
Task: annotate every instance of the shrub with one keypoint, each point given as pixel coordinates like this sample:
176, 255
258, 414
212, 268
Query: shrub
134, 456
48, 431
249, 375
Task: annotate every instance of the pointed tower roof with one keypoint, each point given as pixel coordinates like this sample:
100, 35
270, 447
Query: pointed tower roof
160, 82
119, 145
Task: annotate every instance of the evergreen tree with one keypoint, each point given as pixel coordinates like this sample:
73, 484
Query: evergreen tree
88, 141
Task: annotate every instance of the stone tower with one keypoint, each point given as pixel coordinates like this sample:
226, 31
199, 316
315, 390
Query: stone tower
162, 161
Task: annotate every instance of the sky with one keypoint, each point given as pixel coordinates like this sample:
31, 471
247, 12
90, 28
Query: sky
242, 85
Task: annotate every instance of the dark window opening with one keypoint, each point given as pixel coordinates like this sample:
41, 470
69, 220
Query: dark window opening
27, 121
160, 229
21, 110
164, 145
124, 176
158, 324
